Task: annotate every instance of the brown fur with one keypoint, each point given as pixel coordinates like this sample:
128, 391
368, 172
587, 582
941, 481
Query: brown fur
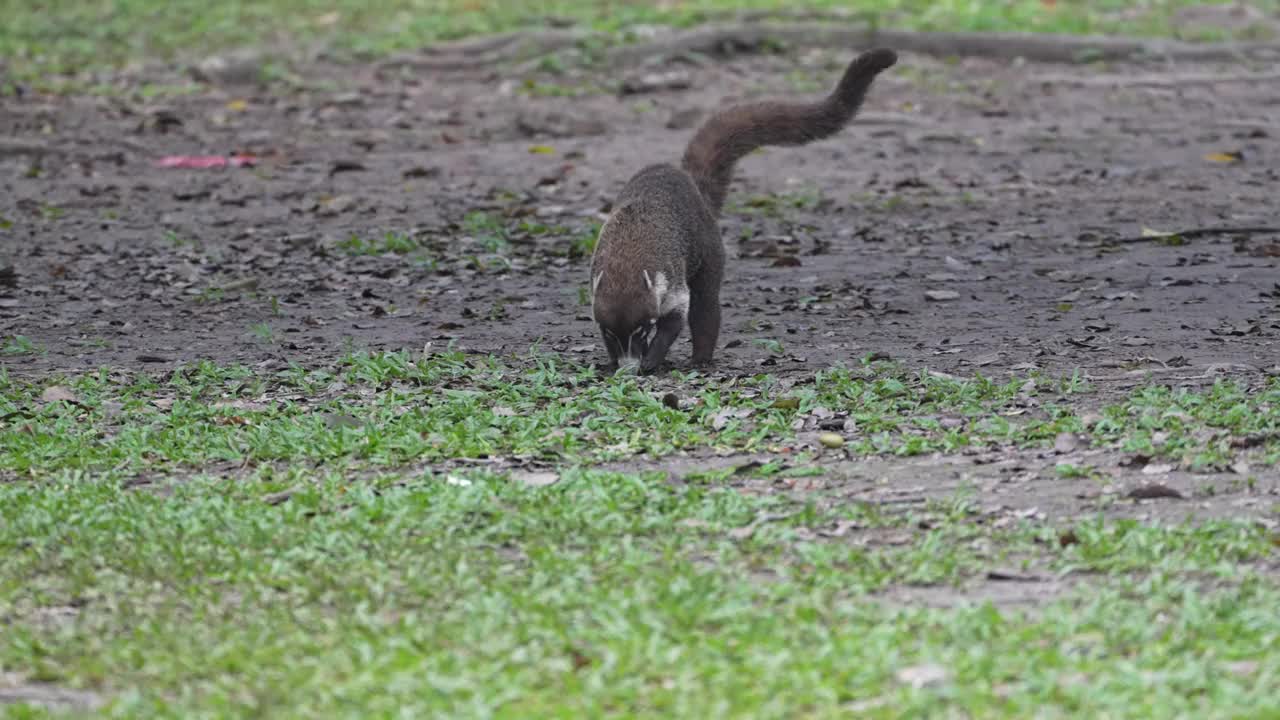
659, 259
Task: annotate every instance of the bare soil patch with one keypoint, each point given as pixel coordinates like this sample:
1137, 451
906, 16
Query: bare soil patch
979, 179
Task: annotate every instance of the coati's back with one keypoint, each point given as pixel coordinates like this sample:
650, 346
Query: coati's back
659, 260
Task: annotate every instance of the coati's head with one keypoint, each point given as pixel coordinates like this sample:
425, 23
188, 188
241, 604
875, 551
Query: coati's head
627, 310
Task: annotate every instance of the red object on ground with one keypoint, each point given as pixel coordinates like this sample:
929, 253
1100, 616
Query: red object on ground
200, 162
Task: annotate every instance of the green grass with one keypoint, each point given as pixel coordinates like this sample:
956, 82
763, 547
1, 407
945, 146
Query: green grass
390, 409
72, 36
390, 242
606, 595
19, 345
221, 542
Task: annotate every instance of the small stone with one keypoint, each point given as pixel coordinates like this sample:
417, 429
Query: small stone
684, 119
242, 67
1065, 443
655, 82
58, 393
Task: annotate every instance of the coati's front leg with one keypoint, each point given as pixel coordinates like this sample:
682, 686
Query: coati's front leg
704, 313
668, 330
704, 327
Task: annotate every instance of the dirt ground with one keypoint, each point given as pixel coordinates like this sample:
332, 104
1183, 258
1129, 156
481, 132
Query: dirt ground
1020, 191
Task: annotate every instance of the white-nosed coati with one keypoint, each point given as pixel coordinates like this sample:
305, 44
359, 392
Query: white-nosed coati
659, 259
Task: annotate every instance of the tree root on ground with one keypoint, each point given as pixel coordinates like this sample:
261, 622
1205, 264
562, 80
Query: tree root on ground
757, 35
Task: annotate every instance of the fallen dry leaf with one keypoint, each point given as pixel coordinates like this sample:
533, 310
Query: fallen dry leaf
241, 404
723, 417
746, 531
278, 498
55, 393
1225, 157
922, 676
336, 420
535, 479
1152, 491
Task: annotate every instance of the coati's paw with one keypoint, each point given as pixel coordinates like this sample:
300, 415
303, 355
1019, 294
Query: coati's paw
652, 368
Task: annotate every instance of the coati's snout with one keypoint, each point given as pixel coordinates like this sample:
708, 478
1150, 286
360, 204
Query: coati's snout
635, 318
627, 321
628, 348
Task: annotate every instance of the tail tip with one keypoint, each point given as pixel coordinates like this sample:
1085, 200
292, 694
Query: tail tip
877, 60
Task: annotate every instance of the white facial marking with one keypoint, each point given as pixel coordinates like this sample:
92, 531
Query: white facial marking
675, 300
648, 282
658, 287
659, 284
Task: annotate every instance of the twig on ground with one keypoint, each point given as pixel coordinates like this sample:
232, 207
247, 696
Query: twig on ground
10, 147
1192, 233
1156, 81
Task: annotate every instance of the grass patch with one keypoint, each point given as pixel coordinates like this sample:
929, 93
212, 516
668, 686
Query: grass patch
393, 409
604, 595
309, 542
20, 345
70, 36
390, 242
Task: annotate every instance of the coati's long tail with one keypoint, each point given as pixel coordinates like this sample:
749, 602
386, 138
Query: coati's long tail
731, 134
